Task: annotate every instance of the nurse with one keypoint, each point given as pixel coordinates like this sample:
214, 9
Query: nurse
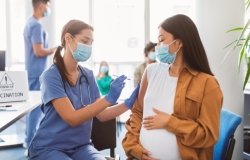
71, 99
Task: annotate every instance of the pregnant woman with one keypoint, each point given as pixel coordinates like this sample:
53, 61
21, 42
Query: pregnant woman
177, 113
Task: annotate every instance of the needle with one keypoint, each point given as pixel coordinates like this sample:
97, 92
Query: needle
118, 76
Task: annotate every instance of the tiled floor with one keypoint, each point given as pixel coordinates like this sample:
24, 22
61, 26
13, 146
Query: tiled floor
17, 153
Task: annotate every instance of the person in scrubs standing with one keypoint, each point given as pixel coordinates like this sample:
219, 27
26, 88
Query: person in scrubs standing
36, 55
103, 78
71, 99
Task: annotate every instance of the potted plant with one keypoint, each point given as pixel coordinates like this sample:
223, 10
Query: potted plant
244, 43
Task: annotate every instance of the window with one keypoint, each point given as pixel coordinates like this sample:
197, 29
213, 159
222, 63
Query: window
65, 10
119, 26
2, 27
16, 18
162, 9
119, 30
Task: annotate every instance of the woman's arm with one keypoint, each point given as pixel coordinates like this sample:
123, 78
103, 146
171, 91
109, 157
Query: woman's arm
112, 112
131, 143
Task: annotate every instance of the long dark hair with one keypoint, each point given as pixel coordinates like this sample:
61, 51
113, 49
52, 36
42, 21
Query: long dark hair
73, 27
36, 2
183, 28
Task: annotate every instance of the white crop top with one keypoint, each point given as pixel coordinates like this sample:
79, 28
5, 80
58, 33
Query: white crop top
160, 94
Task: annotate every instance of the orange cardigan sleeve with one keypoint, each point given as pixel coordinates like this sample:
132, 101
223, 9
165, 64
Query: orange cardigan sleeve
131, 144
204, 131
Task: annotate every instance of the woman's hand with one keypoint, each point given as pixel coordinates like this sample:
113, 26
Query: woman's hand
157, 121
146, 155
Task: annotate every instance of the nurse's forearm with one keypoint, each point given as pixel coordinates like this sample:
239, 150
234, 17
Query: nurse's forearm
40, 51
112, 112
88, 112
74, 117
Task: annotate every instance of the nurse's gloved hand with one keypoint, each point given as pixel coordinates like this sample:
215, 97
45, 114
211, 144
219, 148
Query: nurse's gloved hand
115, 89
129, 102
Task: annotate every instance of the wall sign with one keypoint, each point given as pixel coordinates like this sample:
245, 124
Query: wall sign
13, 86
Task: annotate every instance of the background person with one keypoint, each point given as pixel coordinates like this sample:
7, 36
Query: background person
103, 78
149, 57
177, 114
36, 55
71, 99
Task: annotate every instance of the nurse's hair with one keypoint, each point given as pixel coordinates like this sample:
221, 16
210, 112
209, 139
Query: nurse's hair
73, 27
184, 29
35, 3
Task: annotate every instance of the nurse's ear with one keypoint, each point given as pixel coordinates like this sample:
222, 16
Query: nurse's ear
68, 37
70, 41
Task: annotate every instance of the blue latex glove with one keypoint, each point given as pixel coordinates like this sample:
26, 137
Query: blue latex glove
115, 89
129, 102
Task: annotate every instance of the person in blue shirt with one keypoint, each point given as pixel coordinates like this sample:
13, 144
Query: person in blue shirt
103, 78
36, 55
71, 99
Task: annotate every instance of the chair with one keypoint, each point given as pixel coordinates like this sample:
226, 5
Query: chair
223, 149
104, 136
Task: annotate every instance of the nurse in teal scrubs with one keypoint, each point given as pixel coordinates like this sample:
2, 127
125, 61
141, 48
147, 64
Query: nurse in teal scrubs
103, 78
71, 99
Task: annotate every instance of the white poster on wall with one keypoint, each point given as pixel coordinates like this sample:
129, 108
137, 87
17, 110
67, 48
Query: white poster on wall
13, 86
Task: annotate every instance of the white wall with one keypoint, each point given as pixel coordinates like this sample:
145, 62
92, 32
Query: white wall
214, 18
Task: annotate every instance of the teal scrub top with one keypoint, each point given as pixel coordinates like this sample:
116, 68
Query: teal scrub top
104, 84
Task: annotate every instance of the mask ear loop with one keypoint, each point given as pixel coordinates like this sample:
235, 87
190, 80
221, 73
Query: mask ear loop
172, 42
70, 49
176, 54
177, 49
166, 45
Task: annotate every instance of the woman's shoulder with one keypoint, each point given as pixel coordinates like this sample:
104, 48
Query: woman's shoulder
157, 66
207, 78
205, 75
52, 71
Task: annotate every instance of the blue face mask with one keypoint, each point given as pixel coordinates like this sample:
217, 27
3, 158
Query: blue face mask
47, 12
163, 54
152, 56
104, 69
82, 52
